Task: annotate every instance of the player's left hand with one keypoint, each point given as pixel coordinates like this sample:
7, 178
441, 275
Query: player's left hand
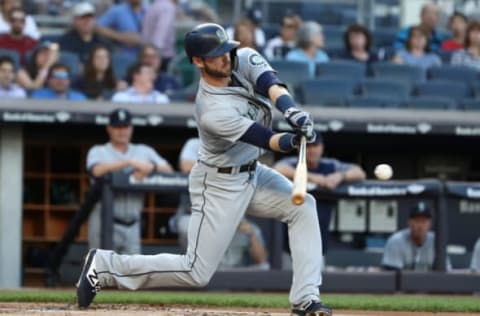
300, 121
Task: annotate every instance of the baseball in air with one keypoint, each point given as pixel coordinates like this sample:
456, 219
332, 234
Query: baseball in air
383, 171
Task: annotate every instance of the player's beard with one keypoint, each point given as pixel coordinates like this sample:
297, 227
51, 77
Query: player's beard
220, 74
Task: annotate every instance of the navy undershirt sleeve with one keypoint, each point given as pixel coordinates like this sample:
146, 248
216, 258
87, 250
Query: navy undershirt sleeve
257, 135
265, 81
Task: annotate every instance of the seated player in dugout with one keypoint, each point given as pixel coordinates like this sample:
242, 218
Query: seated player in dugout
412, 248
323, 173
119, 154
233, 111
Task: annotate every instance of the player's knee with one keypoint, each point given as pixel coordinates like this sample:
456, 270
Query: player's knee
200, 280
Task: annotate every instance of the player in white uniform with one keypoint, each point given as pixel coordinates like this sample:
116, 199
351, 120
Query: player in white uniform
233, 114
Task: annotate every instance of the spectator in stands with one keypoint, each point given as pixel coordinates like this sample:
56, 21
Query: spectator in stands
30, 28
165, 83
417, 52
457, 24
324, 173
358, 42
159, 28
141, 89
279, 46
8, 89
310, 42
81, 38
429, 17
247, 248
475, 265
122, 23
255, 17
35, 74
244, 32
470, 56
98, 80
16, 40
119, 154
58, 85
412, 248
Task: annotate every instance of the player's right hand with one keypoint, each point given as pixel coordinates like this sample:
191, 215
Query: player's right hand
301, 121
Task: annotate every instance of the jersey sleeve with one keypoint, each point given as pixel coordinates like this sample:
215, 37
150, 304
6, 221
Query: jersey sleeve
154, 157
392, 257
251, 64
227, 124
190, 150
338, 165
94, 156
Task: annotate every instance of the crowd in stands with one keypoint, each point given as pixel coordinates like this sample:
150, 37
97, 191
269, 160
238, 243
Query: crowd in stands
127, 53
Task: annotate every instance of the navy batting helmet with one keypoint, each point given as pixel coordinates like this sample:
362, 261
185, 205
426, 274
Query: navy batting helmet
208, 40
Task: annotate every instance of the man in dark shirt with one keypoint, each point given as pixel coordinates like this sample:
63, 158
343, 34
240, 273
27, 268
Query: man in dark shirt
16, 40
81, 39
323, 173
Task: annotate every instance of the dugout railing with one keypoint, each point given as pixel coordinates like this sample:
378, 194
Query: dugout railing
343, 281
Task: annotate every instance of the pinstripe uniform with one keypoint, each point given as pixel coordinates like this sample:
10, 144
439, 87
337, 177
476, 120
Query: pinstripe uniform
226, 183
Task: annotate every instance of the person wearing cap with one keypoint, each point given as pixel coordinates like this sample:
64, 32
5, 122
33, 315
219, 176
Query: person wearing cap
16, 40
81, 38
58, 86
119, 154
323, 173
412, 248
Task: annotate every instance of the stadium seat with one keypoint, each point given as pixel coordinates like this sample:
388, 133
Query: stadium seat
383, 37
12, 54
375, 102
271, 30
342, 69
453, 73
432, 102
72, 61
470, 104
291, 72
475, 85
333, 37
121, 63
332, 91
443, 88
385, 88
404, 73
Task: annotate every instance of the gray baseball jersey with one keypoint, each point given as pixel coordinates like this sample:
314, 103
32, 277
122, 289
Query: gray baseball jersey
475, 265
127, 207
221, 199
401, 253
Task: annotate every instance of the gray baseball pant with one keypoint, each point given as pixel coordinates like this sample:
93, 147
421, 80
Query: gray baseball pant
219, 202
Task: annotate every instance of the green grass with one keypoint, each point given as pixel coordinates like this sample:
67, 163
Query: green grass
260, 300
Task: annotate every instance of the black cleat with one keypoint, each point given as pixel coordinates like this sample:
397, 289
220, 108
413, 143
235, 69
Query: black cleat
312, 308
87, 285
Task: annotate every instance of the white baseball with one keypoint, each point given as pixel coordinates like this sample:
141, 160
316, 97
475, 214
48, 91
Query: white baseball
383, 171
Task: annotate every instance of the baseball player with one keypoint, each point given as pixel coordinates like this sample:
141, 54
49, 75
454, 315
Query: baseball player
233, 114
119, 154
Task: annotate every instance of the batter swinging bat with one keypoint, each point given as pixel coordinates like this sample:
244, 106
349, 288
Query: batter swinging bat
300, 178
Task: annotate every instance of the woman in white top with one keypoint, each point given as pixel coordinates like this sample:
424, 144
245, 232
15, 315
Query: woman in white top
30, 29
470, 56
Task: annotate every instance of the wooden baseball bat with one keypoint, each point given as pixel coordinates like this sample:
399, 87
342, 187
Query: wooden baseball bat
300, 178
